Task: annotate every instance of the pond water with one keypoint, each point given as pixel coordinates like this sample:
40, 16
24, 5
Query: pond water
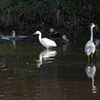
30, 72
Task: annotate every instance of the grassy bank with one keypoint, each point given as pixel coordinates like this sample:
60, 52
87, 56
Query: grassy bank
28, 14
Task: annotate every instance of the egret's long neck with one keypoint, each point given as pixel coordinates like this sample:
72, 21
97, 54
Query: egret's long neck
13, 35
91, 38
40, 36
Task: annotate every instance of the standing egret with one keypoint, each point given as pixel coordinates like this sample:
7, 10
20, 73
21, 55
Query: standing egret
90, 46
45, 41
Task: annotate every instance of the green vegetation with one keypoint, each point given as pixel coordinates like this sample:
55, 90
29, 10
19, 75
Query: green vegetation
26, 14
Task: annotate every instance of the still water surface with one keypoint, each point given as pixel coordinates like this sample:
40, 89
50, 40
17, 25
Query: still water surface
30, 72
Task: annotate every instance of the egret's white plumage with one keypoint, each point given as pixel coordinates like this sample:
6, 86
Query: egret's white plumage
90, 46
45, 41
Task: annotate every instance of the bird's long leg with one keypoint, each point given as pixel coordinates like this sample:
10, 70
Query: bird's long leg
88, 59
91, 58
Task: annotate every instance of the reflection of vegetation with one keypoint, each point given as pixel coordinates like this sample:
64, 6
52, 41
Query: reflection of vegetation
19, 66
20, 62
23, 13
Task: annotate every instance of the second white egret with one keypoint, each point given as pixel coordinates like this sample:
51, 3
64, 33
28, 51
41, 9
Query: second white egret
90, 46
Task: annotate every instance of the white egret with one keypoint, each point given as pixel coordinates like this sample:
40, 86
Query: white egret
90, 46
45, 41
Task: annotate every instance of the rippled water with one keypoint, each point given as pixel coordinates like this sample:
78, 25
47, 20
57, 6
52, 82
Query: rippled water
30, 72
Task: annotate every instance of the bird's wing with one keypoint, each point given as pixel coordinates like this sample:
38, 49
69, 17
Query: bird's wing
90, 47
5, 38
48, 42
22, 36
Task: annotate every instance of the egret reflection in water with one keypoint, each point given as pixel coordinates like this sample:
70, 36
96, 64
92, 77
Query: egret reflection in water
46, 56
90, 72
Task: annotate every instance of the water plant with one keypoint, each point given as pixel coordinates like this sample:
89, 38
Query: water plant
65, 13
